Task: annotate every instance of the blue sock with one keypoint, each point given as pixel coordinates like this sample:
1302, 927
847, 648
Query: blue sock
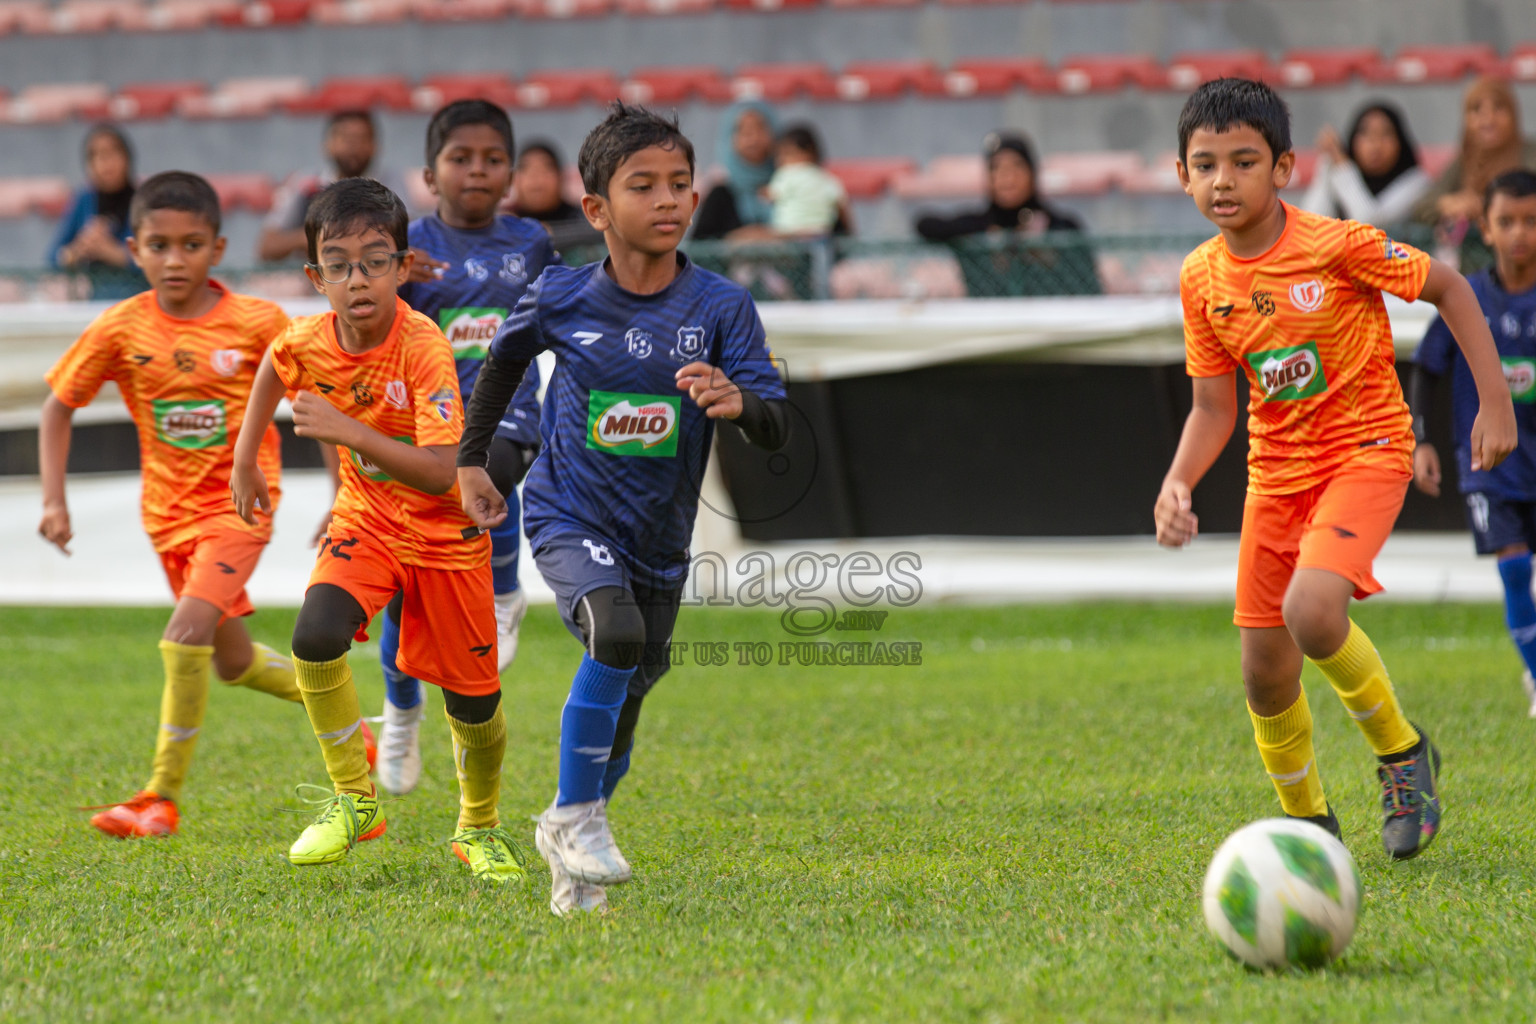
401, 690
1519, 608
617, 768
505, 544
587, 725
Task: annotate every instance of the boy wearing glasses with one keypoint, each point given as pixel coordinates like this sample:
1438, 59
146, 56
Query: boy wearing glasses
377, 380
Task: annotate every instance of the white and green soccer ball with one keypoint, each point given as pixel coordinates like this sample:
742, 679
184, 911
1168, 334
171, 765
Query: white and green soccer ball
1282, 893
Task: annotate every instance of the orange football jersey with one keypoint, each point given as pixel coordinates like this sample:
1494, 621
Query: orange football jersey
1305, 322
405, 388
186, 384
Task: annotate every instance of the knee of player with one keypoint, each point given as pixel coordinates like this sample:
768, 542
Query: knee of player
618, 638
1317, 627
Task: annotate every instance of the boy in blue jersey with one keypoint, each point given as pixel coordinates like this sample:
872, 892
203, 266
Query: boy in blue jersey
649, 351
1501, 502
471, 269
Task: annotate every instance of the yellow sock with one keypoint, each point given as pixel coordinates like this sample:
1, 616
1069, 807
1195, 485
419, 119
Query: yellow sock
182, 704
337, 718
269, 672
1362, 683
1285, 744
477, 752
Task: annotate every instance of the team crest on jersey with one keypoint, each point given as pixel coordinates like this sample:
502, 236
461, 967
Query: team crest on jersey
362, 394
226, 361
394, 394
1395, 251
1308, 296
198, 423
1287, 374
442, 401
514, 268
476, 269
1510, 325
1263, 303
626, 424
638, 342
690, 343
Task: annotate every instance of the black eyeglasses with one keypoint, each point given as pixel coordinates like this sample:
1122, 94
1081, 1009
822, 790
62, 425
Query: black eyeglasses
373, 265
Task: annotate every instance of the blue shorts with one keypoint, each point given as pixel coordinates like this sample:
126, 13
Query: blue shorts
1498, 523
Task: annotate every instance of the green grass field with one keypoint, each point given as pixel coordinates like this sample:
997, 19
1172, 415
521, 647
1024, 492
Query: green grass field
1016, 830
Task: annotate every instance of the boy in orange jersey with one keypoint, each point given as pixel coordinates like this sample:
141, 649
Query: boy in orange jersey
183, 355
377, 379
1293, 300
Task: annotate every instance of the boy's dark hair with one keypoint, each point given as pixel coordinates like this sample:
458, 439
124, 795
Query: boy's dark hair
623, 133
176, 190
352, 114
1232, 102
542, 146
352, 205
1516, 184
803, 137
460, 113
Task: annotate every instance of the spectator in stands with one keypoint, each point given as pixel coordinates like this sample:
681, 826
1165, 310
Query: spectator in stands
1376, 179
538, 185
808, 201
93, 236
351, 142
1490, 145
992, 245
748, 131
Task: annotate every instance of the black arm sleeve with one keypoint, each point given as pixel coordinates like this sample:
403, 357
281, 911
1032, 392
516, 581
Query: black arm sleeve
765, 421
1422, 389
944, 229
494, 389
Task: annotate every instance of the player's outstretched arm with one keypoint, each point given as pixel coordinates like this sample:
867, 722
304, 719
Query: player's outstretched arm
763, 421
54, 429
1206, 432
247, 483
1494, 433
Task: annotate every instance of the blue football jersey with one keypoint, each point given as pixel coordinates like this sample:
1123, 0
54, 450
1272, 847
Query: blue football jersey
488, 270
1512, 321
625, 450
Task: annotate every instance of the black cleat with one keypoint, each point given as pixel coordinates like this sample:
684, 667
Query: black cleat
1327, 822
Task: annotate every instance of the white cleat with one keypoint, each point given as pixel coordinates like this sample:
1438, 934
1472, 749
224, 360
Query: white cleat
578, 837
510, 609
568, 896
399, 766
1529, 685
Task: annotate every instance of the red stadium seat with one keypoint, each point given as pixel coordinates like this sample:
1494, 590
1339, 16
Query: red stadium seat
1301, 69
946, 177
561, 8
1158, 176
268, 12
360, 12
642, 8
1109, 74
440, 90
868, 178
1522, 63
676, 85
25, 16
875, 3
771, 5
245, 97
1442, 63
188, 15
21, 196
1088, 174
360, 93
567, 88
146, 100
46, 103
883, 80
99, 16
974, 3
997, 76
462, 10
781, 82
1189, 70
243, 191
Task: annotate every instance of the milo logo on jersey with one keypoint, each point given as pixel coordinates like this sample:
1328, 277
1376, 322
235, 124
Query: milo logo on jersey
633, 424
470, 329
371, 471
1287, 374
1520, 373
198, 423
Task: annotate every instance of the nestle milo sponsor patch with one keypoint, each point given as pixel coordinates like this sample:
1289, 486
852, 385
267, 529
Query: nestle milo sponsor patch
1520, 373
1286, 374
370, 469
626, 424
470, 329
194, 423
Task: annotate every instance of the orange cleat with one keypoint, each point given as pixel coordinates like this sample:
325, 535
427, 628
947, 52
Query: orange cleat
147, 814
370, 745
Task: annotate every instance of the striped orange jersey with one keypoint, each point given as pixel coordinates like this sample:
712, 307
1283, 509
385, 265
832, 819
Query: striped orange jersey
405, 388
186, 384
1305, 322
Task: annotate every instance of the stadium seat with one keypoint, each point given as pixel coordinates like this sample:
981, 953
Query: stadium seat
187, 15
1522, 63
268, 12
1442, 63
145, 100
21, 196
354, 94
875, 3
99, 16
243, 191
46, 103
1157, 176
945, 177
360, 12
676, 85
25, 16
462, 10
1186, 71
1302, 69
438, 90
245, 97
1105, 73
997, 76
869, 177
567, 88
977, 3
781, 82
771, 5
561, 8
642, 8
883, 80
1088, 174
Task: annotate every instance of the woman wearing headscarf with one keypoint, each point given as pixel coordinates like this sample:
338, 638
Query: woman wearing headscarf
538, 192
1375, 178
1490, 145
748, 131
93, 235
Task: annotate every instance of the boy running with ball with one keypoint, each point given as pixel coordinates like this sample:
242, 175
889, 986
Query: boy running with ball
1293, 301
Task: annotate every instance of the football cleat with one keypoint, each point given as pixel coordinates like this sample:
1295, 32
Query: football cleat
577, 835
491, 853
1327, 822
510, 609
1410, 799
345, 819
568, 896
146, 814
400, 748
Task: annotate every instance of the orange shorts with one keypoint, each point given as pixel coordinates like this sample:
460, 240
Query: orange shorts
215, 565
1339, 525
447, 616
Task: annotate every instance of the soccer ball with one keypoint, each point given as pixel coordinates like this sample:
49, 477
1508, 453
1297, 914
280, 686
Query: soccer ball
1282, 893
